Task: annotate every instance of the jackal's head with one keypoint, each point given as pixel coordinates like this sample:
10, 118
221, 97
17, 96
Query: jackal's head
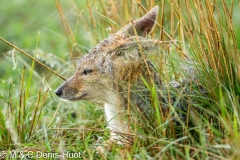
112, 61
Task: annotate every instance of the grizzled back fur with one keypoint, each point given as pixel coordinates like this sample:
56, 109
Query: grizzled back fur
115, 72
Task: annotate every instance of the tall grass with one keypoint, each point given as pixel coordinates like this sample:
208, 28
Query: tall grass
204, 40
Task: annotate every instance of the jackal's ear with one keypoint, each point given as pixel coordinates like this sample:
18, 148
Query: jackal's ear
143, 25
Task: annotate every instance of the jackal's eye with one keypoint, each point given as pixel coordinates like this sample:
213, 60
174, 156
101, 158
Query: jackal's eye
87, 71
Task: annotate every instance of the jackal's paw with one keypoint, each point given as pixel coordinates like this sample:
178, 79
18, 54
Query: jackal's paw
105, 147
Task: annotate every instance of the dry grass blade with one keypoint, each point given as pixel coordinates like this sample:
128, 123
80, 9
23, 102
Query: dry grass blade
43, 100
21, 105
26, 54
162, 21
67, 30
35, 113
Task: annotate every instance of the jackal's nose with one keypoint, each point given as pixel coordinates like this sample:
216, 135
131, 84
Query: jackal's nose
58, 92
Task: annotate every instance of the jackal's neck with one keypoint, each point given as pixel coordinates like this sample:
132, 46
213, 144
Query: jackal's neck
129, 90
113, 109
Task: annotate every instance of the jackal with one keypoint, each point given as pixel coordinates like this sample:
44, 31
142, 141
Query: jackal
115, 73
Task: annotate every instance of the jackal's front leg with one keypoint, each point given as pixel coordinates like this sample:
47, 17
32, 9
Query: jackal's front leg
119, 131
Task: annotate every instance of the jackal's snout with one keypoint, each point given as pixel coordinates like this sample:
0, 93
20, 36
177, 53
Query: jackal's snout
63, 90
67, 92
72, 90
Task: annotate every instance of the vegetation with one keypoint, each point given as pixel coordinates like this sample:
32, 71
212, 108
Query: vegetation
34, 120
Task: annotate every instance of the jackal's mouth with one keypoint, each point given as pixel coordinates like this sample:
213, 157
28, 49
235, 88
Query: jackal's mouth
77, 98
